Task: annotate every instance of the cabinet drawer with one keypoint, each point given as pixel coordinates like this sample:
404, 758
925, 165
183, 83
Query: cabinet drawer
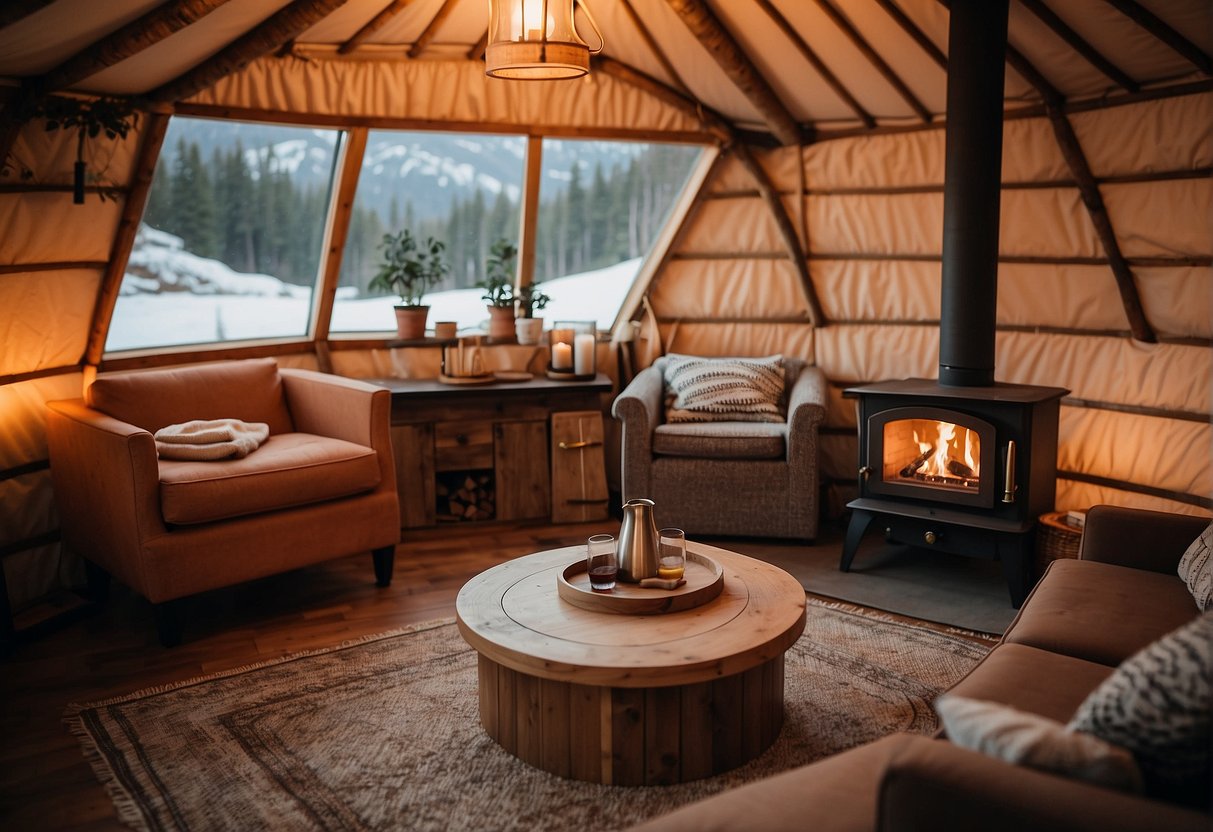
462, 446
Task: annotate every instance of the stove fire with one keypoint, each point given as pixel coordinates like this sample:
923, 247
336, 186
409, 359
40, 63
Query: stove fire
931, 452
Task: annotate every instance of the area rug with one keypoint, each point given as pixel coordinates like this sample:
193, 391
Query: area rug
383, 733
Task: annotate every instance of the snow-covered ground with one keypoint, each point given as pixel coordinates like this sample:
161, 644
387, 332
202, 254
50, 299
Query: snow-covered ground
171, 297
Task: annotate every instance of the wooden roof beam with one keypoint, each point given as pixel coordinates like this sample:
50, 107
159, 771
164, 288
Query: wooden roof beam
1079, 45
1157, 27
817, 63
715, 38
372, 26
263, 39
766, 188
142, 32
918, 35
886, 71
477, 50
431, 29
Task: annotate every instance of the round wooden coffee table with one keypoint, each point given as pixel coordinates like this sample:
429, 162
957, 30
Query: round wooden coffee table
631, 699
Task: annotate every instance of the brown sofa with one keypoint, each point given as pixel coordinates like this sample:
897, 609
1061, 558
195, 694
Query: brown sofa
1084, 617
323, 484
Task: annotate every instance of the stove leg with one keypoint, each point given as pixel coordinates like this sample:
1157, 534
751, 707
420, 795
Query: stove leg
860, 520
1015, 552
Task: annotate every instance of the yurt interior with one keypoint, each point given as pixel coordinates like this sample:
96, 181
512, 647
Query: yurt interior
604, 414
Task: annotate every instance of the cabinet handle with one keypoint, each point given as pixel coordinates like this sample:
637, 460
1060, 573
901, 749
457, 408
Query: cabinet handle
572, 446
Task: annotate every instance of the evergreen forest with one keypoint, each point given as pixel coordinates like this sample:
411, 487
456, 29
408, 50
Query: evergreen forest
257, 218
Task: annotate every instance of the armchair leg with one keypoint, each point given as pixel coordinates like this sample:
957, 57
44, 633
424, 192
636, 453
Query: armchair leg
385, 559
98, 582
168, 622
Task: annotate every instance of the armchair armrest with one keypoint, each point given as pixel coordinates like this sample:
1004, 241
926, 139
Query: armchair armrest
806, 406
343, 408
639, 409
107, 486
1150, 540
933, 784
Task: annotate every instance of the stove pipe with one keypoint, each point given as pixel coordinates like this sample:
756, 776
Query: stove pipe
977, 37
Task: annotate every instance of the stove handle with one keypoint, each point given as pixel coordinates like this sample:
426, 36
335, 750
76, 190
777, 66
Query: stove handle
1009, 486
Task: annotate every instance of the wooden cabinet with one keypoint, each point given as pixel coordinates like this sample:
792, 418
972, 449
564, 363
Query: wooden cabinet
496, 433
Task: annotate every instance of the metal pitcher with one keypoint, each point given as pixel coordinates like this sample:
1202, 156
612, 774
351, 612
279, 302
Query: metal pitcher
638, 541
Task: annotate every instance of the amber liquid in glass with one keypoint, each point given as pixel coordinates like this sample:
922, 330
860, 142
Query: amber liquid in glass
670, 569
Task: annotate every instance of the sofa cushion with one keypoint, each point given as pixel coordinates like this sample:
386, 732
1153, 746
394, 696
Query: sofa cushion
290, 469
1023, 739
1100, 612
1159, 705
1032, 680
152, 399
721, 440
1196, 569
724, 389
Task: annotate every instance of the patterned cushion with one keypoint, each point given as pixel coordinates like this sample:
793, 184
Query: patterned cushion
724, 389
1196, 570
1025, 739
1157, 705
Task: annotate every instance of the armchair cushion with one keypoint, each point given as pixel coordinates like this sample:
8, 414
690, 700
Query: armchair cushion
290, 469
250, 391
724, 389
721, 440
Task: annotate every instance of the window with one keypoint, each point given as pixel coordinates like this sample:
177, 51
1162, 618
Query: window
602, 205
230, 243
463, 190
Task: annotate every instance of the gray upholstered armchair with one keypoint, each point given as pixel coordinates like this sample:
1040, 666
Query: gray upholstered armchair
730, 478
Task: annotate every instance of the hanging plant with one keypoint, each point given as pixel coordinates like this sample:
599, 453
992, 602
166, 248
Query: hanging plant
90, 118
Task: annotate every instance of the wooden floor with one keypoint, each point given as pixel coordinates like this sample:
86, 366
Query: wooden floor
45, 782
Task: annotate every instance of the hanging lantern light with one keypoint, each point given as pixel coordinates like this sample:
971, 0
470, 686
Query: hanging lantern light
536, 40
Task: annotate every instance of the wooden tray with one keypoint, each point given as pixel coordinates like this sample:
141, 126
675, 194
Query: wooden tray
704, 581
484, 379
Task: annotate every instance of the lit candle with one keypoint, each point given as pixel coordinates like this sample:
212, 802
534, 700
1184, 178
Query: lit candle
562, 356
583, 354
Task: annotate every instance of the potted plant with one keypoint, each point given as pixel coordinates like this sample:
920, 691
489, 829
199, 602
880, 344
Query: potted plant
528, 327
498, 285
409, 269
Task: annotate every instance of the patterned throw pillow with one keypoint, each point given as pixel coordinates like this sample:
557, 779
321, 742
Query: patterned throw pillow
1025, 739
1157, 705
724, 389
1196, 570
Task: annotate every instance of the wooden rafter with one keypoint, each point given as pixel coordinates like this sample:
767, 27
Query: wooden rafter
263, 39
1076, 42
338, 229
431, 29
477, 50
766, 188
654, 47
918, 35
372, 26
817, 63
716, 39
13, 11
142, 32
886, 71
124, 237
1159, 28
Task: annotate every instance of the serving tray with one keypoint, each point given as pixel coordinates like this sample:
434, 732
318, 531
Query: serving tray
704, 581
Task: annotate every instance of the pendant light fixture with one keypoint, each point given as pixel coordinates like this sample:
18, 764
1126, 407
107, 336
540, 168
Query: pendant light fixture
537, 40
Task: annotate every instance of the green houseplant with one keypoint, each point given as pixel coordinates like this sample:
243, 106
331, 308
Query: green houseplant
409, 269
498, 285
530, 300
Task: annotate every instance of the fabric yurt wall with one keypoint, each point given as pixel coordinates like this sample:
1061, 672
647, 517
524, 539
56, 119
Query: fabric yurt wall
1135, 429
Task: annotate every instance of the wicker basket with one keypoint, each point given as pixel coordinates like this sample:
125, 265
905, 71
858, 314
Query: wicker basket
1055, 539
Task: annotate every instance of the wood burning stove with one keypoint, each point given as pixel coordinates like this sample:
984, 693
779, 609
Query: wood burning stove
965, 470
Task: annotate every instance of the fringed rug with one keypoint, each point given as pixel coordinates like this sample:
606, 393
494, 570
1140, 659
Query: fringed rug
383, 733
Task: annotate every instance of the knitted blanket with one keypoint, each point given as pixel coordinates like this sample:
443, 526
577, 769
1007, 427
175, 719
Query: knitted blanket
210, 439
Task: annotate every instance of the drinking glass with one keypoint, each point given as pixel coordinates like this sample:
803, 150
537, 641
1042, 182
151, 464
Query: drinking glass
671, 553
602, 562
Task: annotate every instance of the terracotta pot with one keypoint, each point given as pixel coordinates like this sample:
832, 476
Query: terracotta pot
410, 322
528, 330
501, 323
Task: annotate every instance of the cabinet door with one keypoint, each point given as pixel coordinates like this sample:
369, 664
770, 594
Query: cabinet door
520, 451
413, 449
579, 489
